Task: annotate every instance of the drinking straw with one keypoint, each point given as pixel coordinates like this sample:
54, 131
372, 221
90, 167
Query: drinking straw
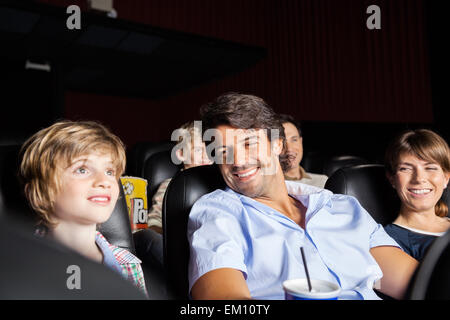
306, 269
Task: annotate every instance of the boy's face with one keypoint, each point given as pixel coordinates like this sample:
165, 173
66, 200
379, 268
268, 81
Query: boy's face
198, 156
88, 190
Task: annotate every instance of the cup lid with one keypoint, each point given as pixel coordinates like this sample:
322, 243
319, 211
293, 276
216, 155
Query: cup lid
321, 289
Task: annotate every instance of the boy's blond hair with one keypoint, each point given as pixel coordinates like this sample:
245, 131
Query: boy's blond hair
188, 133
51, 150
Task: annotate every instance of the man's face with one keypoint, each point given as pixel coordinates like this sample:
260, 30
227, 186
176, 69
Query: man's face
294, 145
246, 160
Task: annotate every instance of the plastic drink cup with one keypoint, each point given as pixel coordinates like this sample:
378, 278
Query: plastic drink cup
297, 289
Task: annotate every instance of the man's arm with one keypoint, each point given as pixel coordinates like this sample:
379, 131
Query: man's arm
398, 267
221, 284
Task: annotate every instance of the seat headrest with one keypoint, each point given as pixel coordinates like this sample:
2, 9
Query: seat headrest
117, 229
141, 152
368, 184
337, 162
184, 189
158, 168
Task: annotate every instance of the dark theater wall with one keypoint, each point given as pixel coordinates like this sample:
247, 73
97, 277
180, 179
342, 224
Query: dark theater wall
323, 63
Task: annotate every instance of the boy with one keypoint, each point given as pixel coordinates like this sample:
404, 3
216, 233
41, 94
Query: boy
71, 171
191, 152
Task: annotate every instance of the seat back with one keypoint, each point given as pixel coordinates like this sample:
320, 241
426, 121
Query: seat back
13, 203
117, 229
432, 278
314, 162
184, 189
343, 161
141, 152
152, 161
369, 185
36, 269
158, 168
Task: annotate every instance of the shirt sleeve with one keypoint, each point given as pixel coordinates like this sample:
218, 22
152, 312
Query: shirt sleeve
378, 236
215, 237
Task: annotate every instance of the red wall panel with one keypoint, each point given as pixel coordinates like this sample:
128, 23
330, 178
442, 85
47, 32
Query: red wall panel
323, 64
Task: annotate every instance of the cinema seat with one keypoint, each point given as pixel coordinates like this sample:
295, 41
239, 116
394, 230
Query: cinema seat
39, 269
13, 204
369, 185
141, 152
337, 162
184, 189
152, 161
432, 278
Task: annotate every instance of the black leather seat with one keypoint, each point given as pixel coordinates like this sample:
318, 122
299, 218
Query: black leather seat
314, 162
152, 161
141, 152
158, 168
343, 161
432, 278
13, 203
117, 229
184, 189
369, 185
38, 269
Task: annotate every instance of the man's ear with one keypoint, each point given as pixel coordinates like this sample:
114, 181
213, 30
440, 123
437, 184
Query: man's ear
277, 146
179, 154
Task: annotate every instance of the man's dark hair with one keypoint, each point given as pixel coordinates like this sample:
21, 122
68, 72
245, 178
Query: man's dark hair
287, 118
242, 111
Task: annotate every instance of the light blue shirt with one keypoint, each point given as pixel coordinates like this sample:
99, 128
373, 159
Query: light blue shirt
229, 230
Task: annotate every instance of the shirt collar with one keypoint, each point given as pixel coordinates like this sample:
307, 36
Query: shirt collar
122, 256
313, 198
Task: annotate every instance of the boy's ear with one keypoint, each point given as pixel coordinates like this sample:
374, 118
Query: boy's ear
179, 154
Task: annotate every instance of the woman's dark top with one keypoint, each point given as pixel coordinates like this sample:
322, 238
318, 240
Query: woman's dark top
413, 243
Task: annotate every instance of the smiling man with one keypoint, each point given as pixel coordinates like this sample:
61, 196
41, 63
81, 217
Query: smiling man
294, 152
245, 240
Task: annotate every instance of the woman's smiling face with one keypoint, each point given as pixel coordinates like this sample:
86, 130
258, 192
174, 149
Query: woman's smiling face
419, 183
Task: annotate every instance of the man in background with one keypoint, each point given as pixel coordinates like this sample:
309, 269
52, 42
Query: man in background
294, 153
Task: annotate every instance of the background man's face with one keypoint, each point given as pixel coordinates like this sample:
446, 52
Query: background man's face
247, 163
294, 145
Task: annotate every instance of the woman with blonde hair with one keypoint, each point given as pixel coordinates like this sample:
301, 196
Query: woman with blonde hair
418, 167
